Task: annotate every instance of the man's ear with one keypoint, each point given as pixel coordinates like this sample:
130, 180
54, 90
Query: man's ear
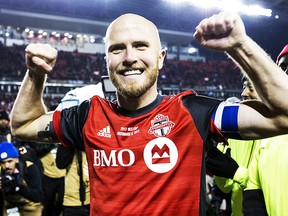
161, 58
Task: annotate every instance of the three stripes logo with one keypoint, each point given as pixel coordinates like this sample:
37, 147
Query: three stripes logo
105, 132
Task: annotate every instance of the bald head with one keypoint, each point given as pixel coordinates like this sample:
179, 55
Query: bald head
126, 23
133, 59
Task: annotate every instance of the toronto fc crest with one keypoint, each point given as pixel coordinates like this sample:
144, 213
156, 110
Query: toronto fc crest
161, 126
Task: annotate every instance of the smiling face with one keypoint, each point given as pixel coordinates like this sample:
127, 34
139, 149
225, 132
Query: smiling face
133, 55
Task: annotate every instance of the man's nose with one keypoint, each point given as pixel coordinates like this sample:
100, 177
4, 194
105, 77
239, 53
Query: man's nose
245, 93
130, 56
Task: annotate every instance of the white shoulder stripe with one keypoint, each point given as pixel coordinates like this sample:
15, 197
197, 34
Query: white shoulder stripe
226, 116
218, 115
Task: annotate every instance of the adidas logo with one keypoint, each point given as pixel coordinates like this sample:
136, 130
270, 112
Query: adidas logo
105, 132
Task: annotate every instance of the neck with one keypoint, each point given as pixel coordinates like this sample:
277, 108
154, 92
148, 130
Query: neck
138, 102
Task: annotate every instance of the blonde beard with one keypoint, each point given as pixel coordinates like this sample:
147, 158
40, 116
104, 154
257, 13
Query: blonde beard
134, 90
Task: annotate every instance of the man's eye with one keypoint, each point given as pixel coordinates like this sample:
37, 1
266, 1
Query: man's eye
141, 46
116, 50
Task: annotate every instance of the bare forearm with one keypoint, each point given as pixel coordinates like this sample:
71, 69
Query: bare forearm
261, 70
226, 32
28, 105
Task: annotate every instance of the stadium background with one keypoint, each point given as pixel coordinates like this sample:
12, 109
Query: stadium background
90, 18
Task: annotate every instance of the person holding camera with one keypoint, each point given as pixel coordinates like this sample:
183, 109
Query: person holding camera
21, 184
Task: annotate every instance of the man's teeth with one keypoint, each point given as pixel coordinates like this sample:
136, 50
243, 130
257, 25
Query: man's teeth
133, 72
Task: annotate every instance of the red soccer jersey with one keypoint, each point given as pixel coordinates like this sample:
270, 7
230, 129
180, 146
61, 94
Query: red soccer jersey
146, 162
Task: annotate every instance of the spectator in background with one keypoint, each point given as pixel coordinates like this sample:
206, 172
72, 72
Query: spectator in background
5, 136
145, 151
20, 184
266, 192
25, 151
282, 59
77, 189
53, 181
53, 177
230, 164
5, 133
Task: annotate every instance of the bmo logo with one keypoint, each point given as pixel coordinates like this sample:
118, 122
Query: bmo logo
160, 155
114, 159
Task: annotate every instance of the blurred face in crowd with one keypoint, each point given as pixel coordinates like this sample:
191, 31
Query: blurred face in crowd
248, 92
248, 89
283, 63
133, 55
9, 165
4, 123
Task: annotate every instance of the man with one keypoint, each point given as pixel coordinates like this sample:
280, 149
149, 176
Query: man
53, 181
248, 92
5, 133
145, 151
231, 168
76, 200
282, 59
266, 188
77, 189
20, 184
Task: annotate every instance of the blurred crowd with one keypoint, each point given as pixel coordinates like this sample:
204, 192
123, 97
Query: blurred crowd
88, 68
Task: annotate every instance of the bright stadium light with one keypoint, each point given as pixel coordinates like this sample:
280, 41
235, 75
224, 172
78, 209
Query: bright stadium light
192, 50
257, 10
228, 5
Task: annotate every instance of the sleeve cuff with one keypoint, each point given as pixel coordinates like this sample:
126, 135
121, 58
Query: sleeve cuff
241, 176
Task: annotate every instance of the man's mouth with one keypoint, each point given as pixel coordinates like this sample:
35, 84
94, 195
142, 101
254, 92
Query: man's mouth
131, 72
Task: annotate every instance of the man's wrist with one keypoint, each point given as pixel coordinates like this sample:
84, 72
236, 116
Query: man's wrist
30, 73
36, 78
241, 47
241, 176
34, 75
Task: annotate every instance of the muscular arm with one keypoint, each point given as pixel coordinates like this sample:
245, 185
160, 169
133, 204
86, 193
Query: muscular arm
267, 118
226, 32
29, 117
